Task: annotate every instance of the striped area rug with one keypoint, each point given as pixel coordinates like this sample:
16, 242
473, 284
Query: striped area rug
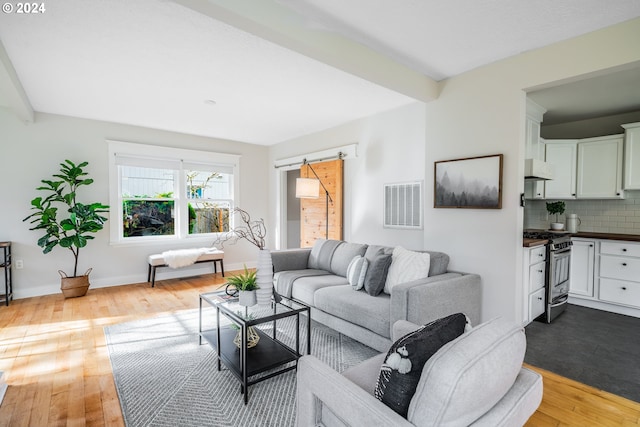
165, 378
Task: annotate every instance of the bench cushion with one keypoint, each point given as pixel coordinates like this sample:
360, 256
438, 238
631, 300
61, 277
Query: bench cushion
157, 260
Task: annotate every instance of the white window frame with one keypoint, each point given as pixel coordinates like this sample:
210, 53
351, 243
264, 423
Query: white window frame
160, 153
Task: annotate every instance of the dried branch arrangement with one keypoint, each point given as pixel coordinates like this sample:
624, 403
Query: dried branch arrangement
253, 231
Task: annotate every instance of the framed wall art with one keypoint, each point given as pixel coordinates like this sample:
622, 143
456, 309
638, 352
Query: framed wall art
471, 183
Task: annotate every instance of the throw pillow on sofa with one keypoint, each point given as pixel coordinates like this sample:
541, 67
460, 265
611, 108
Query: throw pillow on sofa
356, 272
402, 368
377, 274
406, 266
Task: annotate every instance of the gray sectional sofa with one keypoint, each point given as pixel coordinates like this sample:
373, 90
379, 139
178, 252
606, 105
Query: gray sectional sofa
318, 277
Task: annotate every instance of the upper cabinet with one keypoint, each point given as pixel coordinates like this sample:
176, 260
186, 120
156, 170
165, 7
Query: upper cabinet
588, 168
533, 146
632, 156
600, 168
562, 154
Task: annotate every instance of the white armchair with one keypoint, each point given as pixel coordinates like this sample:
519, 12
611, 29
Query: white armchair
476, 379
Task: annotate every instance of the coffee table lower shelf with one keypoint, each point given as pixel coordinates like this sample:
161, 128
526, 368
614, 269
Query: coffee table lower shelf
268, 355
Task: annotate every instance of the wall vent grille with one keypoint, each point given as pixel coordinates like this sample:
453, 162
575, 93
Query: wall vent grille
403, 205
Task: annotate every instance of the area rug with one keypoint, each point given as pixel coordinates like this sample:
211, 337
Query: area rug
165, 378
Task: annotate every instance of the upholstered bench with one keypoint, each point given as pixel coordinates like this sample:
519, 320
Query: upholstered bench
215, 256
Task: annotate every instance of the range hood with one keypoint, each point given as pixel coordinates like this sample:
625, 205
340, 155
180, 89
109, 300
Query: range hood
537, 170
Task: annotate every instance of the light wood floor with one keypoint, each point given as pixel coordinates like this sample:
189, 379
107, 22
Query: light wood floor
56, 363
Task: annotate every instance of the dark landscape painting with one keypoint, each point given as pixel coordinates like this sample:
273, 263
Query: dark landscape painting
474, 183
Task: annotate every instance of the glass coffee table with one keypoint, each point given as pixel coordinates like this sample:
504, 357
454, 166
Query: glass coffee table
271, 356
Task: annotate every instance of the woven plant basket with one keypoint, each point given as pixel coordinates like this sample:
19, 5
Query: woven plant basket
72, 287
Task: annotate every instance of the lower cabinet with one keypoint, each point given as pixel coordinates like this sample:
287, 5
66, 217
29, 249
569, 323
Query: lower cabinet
605, 274
582, 273
536, 304
534, 262
620, 273
620, 292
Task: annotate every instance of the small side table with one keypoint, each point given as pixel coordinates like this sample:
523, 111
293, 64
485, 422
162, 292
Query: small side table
5, 264
271, 356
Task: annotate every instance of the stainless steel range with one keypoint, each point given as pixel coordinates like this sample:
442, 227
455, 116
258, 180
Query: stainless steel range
558, 266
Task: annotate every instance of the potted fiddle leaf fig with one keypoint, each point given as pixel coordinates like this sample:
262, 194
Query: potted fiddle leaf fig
67, 222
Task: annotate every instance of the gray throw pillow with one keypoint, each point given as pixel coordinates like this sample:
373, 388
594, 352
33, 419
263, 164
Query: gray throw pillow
377, 274
402, 368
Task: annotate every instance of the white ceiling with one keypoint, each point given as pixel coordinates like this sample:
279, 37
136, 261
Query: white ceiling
265, 63
607, 95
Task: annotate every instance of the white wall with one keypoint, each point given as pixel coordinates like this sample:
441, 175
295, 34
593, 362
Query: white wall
390, 149
480, 112
31, 152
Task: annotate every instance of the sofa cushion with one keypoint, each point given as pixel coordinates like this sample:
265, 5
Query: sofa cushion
374, 250
469, 375
357, 307
304, 288
343, 255
376, 275
406, 266
321, 254
284, 280
439, 263
401, 370
356, 272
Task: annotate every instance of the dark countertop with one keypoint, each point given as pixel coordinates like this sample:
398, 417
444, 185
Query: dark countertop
529, 243
608, 236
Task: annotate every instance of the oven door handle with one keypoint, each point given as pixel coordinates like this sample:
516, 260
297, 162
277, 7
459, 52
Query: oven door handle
563, 299
561, 251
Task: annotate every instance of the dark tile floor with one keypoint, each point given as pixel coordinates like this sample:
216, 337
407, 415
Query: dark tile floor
594, 347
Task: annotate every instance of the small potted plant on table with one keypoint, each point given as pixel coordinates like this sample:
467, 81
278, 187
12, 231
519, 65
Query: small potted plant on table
246, 284
556, 208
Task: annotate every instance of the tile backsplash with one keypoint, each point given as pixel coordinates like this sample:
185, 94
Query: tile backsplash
602, 216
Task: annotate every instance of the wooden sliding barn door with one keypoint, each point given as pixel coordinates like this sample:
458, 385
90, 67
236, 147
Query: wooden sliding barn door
313, 211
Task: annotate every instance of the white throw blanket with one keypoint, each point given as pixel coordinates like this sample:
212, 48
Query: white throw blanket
183, 257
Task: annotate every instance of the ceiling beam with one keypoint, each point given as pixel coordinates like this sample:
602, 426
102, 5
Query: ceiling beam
278, 24
13, 94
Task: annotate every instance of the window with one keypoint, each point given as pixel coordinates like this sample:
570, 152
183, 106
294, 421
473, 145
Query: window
160, 193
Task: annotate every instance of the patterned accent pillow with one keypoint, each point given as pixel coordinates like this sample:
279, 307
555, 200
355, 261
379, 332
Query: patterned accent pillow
356, 272
402, 368
406, 266
377, 274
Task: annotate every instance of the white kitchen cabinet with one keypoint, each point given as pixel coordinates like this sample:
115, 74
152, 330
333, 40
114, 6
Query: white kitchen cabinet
632, 156
620, 273
534, 189
534, 261
582, 263
536, 304
600, 167
615, 272
534, 147
562, 154
620, 292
